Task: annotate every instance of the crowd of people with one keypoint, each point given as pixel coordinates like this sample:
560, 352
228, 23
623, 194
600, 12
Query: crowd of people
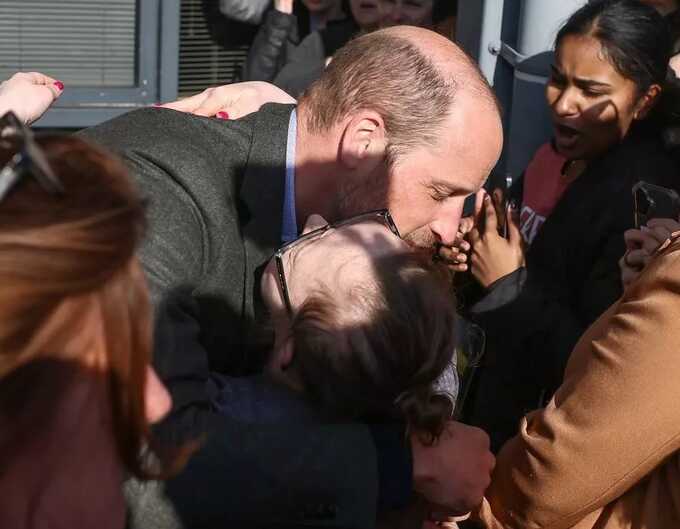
243, 309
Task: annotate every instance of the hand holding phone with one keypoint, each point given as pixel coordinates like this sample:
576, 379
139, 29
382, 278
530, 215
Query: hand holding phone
654, 202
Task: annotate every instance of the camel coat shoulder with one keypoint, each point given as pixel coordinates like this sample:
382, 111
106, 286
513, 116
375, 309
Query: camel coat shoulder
604, 453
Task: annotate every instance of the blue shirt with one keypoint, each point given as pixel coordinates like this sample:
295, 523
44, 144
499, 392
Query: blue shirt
289, 230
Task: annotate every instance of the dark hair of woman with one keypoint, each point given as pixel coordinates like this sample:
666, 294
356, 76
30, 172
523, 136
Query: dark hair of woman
637, 41
72, 288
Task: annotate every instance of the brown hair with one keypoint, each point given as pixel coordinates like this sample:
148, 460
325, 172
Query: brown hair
391, 76
387, 364
71, 286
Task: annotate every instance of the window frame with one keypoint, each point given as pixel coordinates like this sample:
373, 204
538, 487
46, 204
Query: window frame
156, 75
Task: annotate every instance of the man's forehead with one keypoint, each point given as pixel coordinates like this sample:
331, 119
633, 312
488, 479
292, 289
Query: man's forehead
473, 127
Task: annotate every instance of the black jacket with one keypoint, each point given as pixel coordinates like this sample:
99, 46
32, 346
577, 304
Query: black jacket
291, 58
534, 316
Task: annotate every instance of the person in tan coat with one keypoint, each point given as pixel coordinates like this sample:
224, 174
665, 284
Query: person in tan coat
604, 452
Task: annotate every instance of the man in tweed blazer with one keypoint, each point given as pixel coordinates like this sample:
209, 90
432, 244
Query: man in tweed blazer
223, 196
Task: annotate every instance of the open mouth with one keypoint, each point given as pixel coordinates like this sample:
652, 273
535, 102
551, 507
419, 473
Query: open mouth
566, 136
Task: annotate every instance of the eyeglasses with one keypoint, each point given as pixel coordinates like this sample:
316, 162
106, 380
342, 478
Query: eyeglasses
28, 159
381, 215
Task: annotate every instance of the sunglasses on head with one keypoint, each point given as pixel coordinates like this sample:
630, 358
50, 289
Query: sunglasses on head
28, 159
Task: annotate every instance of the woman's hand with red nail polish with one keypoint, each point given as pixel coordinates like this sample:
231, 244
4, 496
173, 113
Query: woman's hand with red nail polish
231, 101
29, 95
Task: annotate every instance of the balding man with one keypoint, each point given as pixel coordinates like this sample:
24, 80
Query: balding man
395, 122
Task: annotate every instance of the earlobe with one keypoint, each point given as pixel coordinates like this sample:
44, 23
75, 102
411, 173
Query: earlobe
647, 102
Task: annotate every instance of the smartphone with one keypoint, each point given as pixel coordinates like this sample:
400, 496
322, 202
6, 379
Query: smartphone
654, 202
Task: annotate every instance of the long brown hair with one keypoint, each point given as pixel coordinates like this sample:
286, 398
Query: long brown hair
71, 287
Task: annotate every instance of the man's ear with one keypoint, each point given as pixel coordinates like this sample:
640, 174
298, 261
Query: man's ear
647, 101
363, 143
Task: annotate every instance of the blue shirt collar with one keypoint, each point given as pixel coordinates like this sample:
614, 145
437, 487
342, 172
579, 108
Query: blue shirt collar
289, 230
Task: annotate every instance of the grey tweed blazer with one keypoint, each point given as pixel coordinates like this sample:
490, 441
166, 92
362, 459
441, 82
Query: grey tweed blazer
215, 191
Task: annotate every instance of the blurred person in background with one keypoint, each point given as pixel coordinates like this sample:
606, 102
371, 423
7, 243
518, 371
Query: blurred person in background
284, 28
407, 12
77, 392
610, 101
305, 63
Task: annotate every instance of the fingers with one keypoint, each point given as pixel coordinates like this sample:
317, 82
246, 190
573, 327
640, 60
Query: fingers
636, 259
207, 104
490, 218
221, 99
514, 235
669, 224
189, 104
498, 196
631, 264
38, 78
466, 224
634, 238
644, 238
479, 202
660, 233
455, 259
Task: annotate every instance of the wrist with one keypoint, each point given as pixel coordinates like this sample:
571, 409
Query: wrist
284, 6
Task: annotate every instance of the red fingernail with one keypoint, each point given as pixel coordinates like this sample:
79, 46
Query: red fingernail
156, 105
222, 115
59, 85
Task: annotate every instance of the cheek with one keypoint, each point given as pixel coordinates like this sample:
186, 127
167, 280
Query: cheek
409, 208
610, 123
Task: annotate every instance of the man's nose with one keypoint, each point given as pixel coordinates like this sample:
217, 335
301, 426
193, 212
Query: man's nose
445, 226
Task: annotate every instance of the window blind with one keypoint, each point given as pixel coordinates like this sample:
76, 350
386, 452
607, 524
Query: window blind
203, 61
87, 43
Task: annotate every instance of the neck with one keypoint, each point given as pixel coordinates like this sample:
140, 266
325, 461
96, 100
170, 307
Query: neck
317, 173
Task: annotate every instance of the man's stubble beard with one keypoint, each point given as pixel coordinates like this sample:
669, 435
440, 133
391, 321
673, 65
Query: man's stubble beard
371, 194
359, 197
423, 239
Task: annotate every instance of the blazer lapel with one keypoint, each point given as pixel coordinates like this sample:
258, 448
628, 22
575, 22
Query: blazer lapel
262, 193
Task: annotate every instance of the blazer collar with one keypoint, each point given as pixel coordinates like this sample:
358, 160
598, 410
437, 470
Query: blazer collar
262, 193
